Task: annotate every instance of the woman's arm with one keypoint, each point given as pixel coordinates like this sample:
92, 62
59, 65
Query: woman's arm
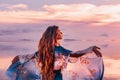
96, 51
76, 55
88, 50
15, 59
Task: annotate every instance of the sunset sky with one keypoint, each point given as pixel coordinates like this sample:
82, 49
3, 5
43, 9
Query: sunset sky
96, 12
98, 20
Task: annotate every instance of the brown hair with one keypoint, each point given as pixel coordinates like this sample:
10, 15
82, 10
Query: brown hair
46, 52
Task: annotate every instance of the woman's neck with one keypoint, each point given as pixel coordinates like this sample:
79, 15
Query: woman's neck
57, 43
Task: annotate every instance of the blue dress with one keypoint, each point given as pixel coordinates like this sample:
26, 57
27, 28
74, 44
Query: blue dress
27, 68
59, 50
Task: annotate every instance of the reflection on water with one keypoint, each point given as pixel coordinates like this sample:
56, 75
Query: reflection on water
24, 40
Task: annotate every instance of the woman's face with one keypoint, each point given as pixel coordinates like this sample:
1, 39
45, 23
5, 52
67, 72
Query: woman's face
59, 34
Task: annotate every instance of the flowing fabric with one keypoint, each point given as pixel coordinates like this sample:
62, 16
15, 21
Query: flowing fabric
86, 67
24, 69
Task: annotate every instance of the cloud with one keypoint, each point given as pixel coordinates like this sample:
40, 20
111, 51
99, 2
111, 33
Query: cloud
112, 68
86, 12
13, 7
103, 14
70, 40
18, 6
11, 48
105, 46
104, 35
111, 78
15, 31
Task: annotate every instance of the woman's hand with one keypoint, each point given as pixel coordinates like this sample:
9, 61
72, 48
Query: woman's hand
15, 59
96, 51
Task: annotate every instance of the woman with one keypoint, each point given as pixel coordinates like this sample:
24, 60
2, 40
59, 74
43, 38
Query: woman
49, 50
51, 58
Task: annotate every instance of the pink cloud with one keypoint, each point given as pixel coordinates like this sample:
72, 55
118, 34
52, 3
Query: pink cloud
101, 15
7, 62
112, 67
13, 7
18, 6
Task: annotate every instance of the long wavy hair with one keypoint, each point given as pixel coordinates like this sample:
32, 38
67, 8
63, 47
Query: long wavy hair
46, 52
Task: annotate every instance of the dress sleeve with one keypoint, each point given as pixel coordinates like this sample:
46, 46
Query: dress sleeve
65, 52
87, 50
